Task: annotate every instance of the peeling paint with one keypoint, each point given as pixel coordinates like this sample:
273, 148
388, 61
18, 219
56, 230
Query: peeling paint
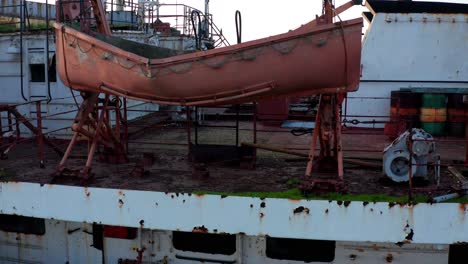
389, 258
301, 209
388, 226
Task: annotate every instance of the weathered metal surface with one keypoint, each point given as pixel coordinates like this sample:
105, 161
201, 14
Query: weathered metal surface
329, 220
409, 51
12, 8
71, 242
324, 59
427, 45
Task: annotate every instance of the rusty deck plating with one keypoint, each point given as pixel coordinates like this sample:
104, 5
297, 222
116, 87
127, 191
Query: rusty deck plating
171, 170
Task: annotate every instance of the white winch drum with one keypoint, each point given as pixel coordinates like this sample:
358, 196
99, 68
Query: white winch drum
396, 166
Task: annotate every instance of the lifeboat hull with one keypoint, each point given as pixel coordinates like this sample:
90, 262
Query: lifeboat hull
324, 59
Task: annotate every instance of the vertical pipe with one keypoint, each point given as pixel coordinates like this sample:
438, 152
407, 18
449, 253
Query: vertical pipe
82, 17
185, 29
59, 16
107, 122
22, 3
132, 5
125, 124
157, 9
152, 18
410, 172
112, 12
255, 122
196, 125
117, 118
346, 107
10, 121
17, 125
189, 137
339, 149
177, 16
207, 7
1, 127
437, 170
140, 249
399, 117
26, 16
47, 53
237, 124
314, 138
238, 20
254, 132
40, 141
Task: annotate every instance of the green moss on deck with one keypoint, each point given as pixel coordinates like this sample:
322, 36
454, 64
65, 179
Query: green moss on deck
463, 200
297, 194
5, 176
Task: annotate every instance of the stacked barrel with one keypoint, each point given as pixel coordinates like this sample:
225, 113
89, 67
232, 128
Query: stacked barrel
438, 114
404, 112
434, 113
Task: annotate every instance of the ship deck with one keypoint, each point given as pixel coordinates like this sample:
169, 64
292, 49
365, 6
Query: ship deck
275, 174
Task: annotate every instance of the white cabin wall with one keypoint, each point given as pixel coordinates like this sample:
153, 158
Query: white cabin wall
399, 50
409, 51
10, 80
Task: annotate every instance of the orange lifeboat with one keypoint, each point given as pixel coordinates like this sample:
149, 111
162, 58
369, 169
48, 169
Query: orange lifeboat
310, 60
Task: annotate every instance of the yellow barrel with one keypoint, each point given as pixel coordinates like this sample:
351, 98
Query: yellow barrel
434, 113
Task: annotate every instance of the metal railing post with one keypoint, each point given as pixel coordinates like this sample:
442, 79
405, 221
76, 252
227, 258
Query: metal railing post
40, 141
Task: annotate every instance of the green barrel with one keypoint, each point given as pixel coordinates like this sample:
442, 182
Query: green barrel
456, 115
434, 113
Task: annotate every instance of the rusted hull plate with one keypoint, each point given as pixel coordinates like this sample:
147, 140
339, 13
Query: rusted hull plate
325, 59
313, 219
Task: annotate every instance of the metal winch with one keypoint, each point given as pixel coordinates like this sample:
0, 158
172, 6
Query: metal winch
396, 158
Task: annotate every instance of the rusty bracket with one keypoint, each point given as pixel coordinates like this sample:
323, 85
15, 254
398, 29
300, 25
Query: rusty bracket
99, 132
328, 132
